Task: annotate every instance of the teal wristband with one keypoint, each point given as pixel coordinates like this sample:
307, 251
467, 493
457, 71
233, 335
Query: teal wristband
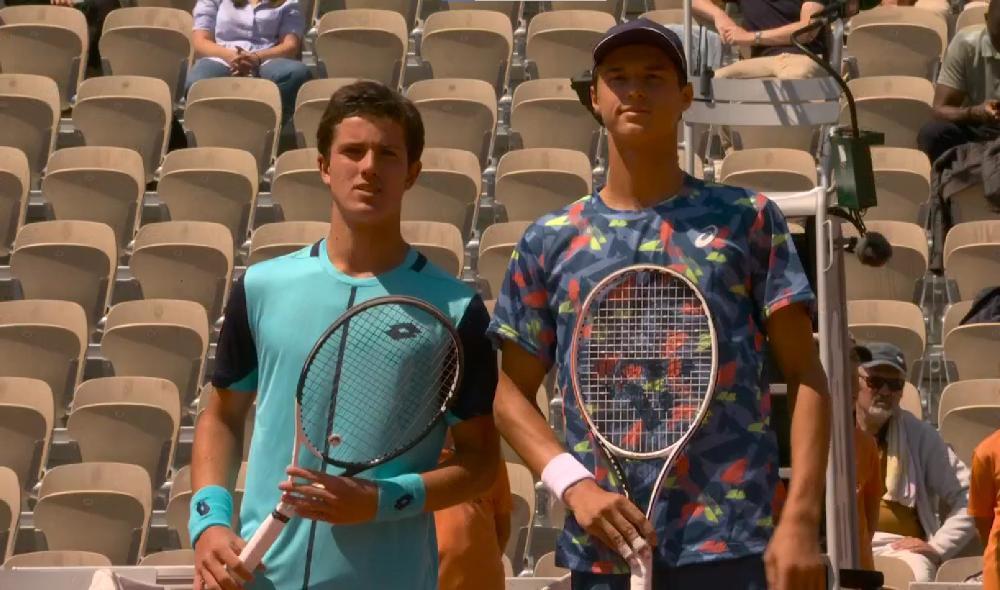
210, 506
399, 497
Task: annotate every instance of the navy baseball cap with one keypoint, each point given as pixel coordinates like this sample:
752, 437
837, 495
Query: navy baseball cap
643, 31
884, 354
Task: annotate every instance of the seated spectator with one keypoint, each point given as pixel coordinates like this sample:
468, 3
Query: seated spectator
869, 484
769, 25
965, 97
984, 505
922, 517
260, 38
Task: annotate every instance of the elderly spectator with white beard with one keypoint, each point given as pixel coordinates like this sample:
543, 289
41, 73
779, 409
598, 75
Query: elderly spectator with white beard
922, 517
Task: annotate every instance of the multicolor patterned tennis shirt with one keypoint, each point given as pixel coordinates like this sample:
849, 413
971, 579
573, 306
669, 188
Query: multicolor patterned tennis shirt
735, 246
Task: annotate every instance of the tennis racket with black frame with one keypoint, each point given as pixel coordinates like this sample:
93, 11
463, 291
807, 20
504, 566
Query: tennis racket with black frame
644, 360
375, 384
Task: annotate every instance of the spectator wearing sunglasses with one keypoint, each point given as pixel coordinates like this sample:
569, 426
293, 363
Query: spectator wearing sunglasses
922, 517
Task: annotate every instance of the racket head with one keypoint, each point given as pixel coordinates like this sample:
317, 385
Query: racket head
643, 361
377, 381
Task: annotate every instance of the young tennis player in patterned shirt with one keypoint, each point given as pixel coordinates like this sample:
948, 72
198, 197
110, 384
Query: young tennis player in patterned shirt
713, 527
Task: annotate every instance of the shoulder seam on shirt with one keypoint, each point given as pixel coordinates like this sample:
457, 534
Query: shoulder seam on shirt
314, 251
419, 264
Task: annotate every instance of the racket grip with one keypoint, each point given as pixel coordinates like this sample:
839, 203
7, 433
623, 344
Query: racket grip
265, 536
642, 573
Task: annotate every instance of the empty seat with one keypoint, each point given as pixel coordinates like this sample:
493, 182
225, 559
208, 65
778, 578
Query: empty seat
902, 183
973, 348
168, 558
898, 322
49, 41
894, 105
533, 182
99, 184
277, 239
15, 180
468, 44
972, 15
957, 569
910, 401
58, 558
27, 415
190, 260
441, 243
522, 489
965, 427
406, 8
510, 8
972, 256
968, 392
158, 338
98, 507
459, 114
10, 510
546, 567
211, 184
185, 5
310, 103
447, 189
44, 340
560, 43
297, 188
376, 41
770, 170
148, 41
126, 111
896, 571
29, 117
612, 7
898, 278
495, 249
145, 411
954, 314
69, 260
897, 41
548, 113
241, 113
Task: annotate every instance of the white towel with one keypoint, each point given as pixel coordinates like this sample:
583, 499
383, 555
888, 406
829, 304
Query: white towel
899, 467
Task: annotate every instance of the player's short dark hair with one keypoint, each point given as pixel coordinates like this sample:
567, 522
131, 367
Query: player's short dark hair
373, 99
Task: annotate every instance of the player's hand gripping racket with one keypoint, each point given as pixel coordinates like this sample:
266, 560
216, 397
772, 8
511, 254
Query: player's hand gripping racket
376, 382
643, 366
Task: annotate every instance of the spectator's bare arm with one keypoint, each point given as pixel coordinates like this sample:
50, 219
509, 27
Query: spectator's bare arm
709, 11
948, 106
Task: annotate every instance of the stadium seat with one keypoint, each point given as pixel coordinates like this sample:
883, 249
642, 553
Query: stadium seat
546, 567
407, 8
58, 558
972, 15
459, 114
158, 338
15, 180
98, 184
49, 41
241, 113
560, 43
46, 340
898, 574
972, 256
898, 278
98, 507
375, 39
126, 111
148, 41
26, 419
769, 170
902, 183
68, 260
792, 137
145, 411
297, 188
957, 569
284, 237
547, 113
441, 243
973, 348
965, 427
897, 41
611, 7
971, 204
10, 510
447, 189
954, 314
910, 401
469, 44
168, 558
894, 105
508, 568
190, 260
522, 489
205, 397
185, 5
179, 504
29, 117
495, 248
898, 322
509, 8
968, 392
533, 182
211, 184
310, 103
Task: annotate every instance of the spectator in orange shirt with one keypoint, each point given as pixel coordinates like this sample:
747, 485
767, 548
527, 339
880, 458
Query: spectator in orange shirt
868, 478
984, 505
471, 537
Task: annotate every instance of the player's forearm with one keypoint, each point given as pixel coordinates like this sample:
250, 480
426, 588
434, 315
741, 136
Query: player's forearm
783, 35
468, 473
215, 456
706, 9
810, 446
523, 427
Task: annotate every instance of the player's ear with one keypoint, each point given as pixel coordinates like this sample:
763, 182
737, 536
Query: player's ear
687, 96
412, 172
323, 164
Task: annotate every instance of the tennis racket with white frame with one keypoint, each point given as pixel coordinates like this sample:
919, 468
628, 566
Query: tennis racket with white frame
375, 384
643, 364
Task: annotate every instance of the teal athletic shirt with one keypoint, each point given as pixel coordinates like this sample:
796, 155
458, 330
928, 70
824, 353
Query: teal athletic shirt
275, 314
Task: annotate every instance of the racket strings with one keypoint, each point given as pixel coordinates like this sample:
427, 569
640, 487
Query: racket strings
645, 360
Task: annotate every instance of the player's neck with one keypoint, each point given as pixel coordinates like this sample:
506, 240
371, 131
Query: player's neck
640, 177
365, 251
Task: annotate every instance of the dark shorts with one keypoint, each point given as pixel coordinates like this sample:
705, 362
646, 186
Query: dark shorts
746, 573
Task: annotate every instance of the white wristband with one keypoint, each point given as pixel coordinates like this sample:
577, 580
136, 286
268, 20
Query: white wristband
563, 471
